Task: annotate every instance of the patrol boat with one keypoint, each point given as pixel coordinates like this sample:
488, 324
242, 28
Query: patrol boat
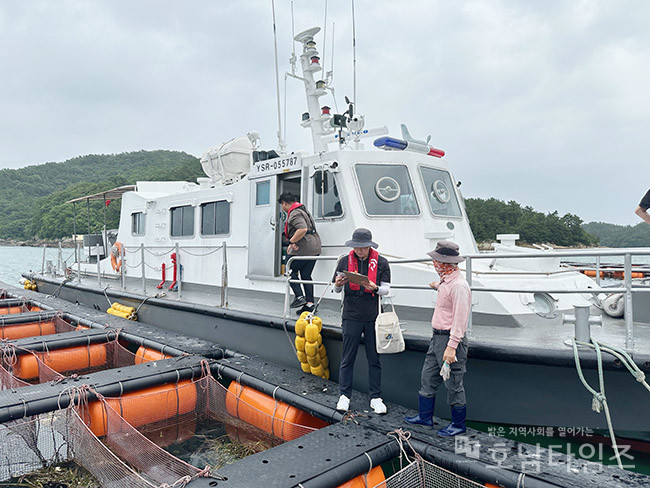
207, 259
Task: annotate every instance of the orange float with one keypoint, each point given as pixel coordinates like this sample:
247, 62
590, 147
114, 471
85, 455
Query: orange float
144, 355
29, 329
60, 360
144, 407
11, 310
373, 478
267, 414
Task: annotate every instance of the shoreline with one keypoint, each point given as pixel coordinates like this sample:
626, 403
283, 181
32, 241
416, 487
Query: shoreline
65, 243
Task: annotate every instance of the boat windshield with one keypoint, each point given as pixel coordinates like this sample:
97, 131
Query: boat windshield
440, 190
386, 189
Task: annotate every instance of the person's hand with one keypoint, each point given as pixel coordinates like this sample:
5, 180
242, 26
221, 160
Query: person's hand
340, 280
449, 355
293, 247
370, 285
434, 284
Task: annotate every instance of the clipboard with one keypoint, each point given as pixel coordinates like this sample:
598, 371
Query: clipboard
356, 278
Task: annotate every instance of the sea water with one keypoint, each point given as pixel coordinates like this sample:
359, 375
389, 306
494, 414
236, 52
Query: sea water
15, 260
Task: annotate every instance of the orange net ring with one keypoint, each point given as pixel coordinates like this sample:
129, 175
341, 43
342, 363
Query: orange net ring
116, 256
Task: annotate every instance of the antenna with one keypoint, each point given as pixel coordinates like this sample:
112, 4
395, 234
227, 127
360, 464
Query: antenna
292, 59
354, 56
324, 43
330, 75
281, 145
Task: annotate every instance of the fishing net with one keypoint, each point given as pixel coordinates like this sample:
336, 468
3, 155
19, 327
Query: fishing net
138, 439
423, 474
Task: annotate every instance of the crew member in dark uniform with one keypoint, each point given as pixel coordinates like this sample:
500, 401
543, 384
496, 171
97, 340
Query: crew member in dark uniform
360, 310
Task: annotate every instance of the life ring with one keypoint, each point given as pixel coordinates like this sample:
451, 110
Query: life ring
116, 256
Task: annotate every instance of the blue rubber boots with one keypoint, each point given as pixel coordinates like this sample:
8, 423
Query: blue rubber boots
457, 426
425, 411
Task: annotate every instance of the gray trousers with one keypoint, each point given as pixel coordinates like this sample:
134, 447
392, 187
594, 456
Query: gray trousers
431, 379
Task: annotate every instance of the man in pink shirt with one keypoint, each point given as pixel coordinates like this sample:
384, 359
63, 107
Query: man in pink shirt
448, 344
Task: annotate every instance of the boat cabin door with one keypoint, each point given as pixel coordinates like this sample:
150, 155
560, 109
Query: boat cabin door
266, 223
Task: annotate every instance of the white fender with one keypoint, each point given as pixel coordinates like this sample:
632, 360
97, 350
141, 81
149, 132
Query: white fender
614, 305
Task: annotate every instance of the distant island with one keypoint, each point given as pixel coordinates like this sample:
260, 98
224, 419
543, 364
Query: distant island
33, 208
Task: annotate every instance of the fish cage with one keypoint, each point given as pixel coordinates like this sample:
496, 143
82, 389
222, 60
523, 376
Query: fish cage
21, 367
161, 434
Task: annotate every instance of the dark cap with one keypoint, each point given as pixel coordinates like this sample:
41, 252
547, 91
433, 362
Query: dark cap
361, 238
446, 252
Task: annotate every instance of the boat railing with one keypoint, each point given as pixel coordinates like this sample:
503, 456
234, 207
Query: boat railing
626, 289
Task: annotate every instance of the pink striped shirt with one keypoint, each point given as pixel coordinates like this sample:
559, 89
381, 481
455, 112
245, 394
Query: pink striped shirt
453, 307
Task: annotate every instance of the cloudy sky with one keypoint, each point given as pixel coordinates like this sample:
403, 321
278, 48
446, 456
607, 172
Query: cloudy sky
542, 102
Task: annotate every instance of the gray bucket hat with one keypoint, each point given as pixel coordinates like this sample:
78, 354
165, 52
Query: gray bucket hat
361, 238
446, 252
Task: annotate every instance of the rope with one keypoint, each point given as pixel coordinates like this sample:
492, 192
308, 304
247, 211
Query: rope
110, 305
134, 266
200, 255
627, 361
521, 480
59, 288
185, 480
163, 253
402, 437
599, 400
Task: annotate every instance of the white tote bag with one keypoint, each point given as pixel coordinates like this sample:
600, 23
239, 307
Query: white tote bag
388, 334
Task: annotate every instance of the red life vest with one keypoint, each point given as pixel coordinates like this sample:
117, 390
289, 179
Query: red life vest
294, 205
373, 265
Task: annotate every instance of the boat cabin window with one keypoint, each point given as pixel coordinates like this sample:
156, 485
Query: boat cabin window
263, 193
387, 189
215, 218
137, 224
182, 221
327, 203
440, 191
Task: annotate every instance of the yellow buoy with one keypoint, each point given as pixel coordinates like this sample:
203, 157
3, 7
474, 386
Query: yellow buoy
305, 367
300, 343
302, 357
301, 324
311, 348
311, 333
314, 360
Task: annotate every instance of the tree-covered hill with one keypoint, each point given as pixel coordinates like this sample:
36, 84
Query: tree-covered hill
32, 202
32, 199
612, 235
489, 217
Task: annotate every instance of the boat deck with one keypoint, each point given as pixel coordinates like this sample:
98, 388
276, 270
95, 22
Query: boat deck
542, 333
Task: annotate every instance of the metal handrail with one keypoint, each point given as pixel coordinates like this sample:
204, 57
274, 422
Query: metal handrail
627, 254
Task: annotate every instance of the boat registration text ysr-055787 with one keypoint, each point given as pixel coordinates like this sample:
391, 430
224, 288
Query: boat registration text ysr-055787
275, 166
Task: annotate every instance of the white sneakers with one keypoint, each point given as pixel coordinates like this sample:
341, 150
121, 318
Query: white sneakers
344, 404
377, 405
